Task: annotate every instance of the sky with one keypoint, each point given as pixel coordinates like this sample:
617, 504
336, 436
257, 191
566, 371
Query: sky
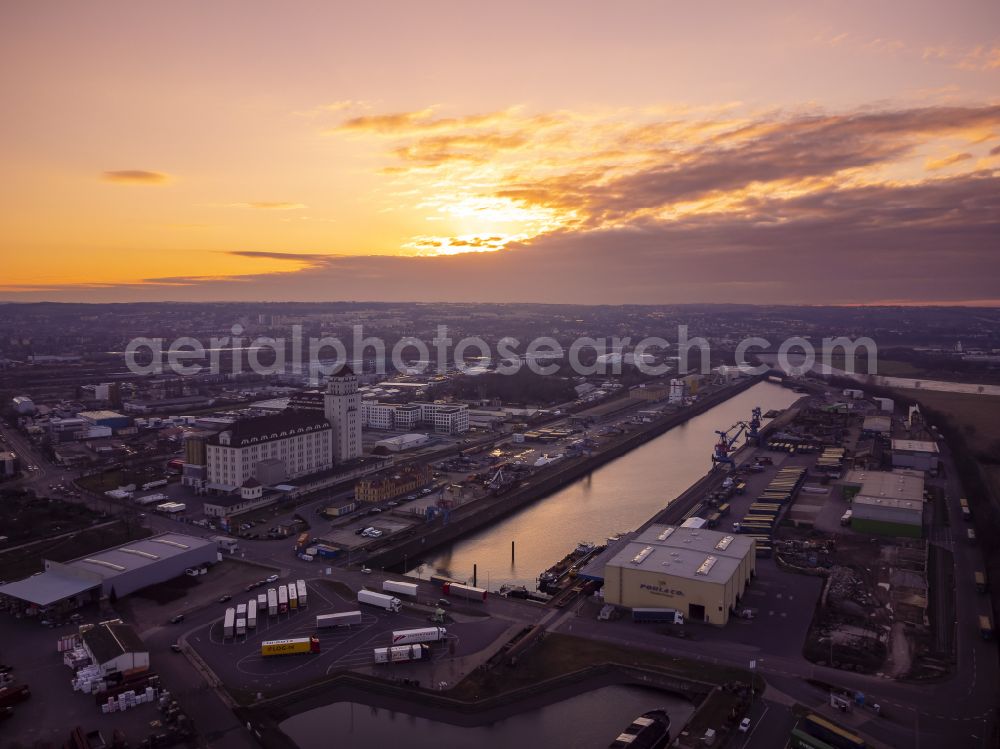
643, 152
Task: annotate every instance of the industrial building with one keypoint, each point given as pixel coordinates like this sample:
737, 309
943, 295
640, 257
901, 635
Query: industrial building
121, 570
115, 647
701, 573
886, 503
111, 419
877, 425
920, 455
402, 442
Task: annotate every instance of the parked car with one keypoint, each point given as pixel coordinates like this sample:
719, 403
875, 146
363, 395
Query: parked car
366, 571
223, 599
444, 602
176, 647
177, 619
272, 579
744, 725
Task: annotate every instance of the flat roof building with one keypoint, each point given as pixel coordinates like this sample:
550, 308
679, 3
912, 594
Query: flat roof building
888, 503
122, 569
922, 455
701, 573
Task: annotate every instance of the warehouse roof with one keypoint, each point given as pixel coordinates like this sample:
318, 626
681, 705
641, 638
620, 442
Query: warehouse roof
48, 587
136, 554
679, 562
877, 424
915, 446
698, 539
885, 484
107, 641
896, 504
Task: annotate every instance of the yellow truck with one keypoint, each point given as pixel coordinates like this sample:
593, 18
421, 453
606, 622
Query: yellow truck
293, 646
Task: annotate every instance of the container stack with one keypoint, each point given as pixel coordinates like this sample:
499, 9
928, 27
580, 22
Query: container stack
88, 680
128, 700
76, 658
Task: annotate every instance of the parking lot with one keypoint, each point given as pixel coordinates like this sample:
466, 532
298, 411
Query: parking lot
239, 663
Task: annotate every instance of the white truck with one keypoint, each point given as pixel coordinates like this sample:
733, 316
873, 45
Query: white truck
241, 626
229, 623
241, 611
262, 602
400, 588
226, 543
293, 596
424, 634
252, 614
384, 602
300, 587
344, 619
282, 599
272, 602
401, 653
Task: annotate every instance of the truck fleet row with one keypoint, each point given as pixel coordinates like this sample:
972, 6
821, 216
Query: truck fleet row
276, 601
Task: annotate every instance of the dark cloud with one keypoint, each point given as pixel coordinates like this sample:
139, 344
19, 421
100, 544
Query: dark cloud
934, 241
135, 177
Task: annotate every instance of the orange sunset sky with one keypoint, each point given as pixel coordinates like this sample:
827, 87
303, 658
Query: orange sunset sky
648, 152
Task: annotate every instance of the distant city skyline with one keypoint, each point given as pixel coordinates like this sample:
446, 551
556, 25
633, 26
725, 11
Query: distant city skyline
822, 153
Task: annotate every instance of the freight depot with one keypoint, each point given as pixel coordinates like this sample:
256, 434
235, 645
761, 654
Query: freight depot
348, 632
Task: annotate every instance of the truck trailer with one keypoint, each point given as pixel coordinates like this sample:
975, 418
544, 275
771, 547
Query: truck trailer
300, 587
262, 602
384, 602
241, 626
668, 616
464, 591
400, 588
272, 602
293, 646
345, 619
282, 599
293, 596
252, 614
229, 623
424, 634
401, 653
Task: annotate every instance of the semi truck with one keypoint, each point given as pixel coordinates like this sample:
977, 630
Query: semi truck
424, 634
464, 591
293, 596
668, 616
262, 602
400, 588
300, 587
229, 623
252, 614
401, 653
345, 619
241, 626
383, 601
282, 599
294, 646
241, 611
272, 602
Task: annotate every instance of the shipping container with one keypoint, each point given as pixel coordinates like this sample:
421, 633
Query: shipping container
229, 623
282, 599
272, 602
293, 646
400, 588
423, 634
241, 626
262, 602
344, 619
293, 596
252, 614
300, 587
464, 591
401, 653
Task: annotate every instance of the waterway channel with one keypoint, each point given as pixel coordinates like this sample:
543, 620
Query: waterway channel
592, 719
618, 496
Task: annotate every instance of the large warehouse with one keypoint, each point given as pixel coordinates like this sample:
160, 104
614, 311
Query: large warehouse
921, 455
699, 572
122, 569
886, 503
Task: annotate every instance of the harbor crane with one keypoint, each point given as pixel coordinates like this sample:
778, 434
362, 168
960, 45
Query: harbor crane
725, 444
753, 428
